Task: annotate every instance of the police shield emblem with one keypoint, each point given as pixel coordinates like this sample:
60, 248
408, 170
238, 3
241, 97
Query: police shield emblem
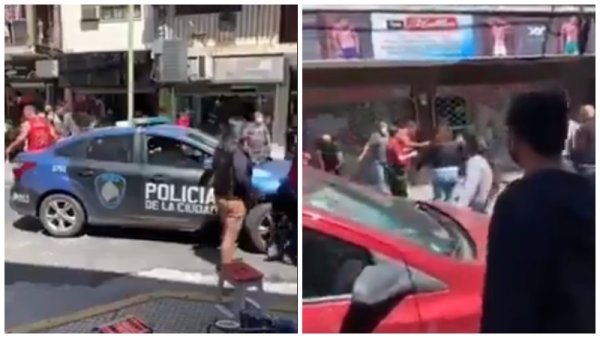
110, 189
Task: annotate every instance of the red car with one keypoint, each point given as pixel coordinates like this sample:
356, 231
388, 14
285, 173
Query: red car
374, 263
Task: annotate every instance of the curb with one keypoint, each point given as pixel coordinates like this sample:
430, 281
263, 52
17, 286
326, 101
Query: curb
45, 325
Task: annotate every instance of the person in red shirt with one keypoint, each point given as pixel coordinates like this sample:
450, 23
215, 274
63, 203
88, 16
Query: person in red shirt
401, 149
184, 120
36, 132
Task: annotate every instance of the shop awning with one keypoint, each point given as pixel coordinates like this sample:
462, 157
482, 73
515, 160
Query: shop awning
378, 73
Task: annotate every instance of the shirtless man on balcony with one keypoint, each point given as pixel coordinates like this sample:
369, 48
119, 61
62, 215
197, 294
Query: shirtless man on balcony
345, 40
569, 36
499, 29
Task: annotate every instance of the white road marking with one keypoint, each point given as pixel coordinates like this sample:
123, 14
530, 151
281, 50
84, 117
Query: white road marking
282, 288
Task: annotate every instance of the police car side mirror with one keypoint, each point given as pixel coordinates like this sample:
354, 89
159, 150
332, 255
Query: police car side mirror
207, 163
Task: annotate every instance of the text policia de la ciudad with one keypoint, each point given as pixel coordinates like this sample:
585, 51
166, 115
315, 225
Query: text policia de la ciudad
182, 199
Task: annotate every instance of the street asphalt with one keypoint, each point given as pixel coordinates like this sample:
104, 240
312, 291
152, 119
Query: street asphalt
48, 277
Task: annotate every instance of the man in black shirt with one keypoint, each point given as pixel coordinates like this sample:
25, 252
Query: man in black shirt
232, 168
541, 247
329, 155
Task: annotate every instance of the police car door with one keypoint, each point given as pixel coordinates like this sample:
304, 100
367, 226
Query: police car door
106, 178
172, 193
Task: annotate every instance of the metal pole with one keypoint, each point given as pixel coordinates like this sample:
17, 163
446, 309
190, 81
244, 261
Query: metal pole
173, 103
130, 57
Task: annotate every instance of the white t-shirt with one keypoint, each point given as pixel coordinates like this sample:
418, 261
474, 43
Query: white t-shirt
479, 178
569, 143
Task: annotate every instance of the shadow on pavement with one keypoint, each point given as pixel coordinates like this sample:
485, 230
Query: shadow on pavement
207, 253
34, 293
29, 224
208, 236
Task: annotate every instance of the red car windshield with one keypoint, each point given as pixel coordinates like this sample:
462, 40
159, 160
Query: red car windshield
394, 216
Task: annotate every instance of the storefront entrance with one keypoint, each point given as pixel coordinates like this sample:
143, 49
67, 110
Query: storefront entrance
212, 108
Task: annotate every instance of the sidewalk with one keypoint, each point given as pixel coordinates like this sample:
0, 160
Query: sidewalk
33, 301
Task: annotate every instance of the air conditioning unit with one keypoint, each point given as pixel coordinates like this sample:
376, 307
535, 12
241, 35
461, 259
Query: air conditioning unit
46, 69
89, 13
198, 68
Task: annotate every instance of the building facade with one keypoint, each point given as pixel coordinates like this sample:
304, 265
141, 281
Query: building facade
240, 58
93, 66
457, 64
32, 42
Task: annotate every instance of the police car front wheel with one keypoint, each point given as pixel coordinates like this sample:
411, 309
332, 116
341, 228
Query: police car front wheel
62, 215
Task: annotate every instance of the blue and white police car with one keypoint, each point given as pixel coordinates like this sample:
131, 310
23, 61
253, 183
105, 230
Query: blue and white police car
155, 176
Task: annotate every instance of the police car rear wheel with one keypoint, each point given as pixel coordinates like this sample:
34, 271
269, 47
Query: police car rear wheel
62, 215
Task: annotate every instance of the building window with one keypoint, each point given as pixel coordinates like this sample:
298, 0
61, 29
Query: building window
205, 9
227, 21
119, 12
452, 110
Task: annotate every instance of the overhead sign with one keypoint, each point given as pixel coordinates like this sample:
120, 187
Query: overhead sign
267, 69
422, 36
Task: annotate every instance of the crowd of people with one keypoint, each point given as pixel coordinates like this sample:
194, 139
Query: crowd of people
540, 264
462, 172
244, 144
392, 152
39, 129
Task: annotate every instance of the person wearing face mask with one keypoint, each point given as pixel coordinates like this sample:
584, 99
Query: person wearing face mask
540, 274
259, 139
374, 157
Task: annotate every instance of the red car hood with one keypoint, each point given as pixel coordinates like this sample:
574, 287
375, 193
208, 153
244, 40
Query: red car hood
475, 223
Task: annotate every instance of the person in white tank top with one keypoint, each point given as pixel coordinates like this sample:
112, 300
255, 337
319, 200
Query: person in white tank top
479, 177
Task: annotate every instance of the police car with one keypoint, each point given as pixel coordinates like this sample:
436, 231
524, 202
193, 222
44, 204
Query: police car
151, 177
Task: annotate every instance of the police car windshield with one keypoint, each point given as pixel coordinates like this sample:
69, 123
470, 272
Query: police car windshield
396, 217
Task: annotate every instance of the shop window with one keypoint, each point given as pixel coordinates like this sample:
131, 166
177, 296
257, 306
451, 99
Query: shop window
209, 112
452, 110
